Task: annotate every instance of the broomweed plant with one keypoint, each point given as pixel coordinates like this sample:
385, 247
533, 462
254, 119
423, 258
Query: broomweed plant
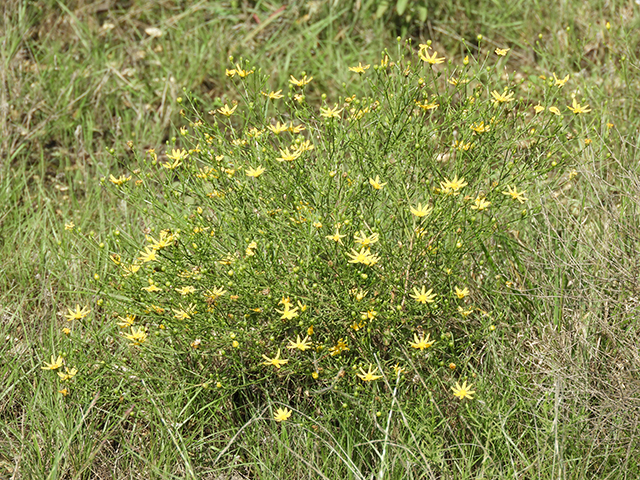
286, 245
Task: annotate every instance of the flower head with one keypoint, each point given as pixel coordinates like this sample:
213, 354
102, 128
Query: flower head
502, 51
577, 108
227, 111
423, 296
369, 375
421, 342
359, 68
364, 256
137, 336
273, 95
336, 237
255, 172
503, 97
431, 59
55, 363
480, 204
300, 83
421, 211
376, 184
282, 414
68, 374
464, 390
453, 187
558, 82
275, 361
515, 194
365, 240
77, 314
330, 112
301, 345
461, 293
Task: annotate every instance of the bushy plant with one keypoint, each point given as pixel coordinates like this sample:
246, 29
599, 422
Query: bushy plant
289, 246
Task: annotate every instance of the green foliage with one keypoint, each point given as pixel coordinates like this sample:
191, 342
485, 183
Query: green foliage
290, 243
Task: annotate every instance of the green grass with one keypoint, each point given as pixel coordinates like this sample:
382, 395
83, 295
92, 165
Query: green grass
557, 381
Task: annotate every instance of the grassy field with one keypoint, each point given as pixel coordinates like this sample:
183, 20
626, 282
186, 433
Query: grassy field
114, 138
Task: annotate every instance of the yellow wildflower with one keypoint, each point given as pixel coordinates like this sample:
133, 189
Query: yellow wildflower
577, 108
301, 345
376, 184
359, 68
514, 194
423, 296
55, 363
300, 83
77, 314
464, 390
369, 375
421, 211
273, 95
330, 112
282, 414
421, 342
255, 172
226, 110
275, 361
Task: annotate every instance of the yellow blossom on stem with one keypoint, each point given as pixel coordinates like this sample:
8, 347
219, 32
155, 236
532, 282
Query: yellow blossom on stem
480, 204
376, 184
68, 374
514, 194
480, 127
242, 73
461, 293
463, 391
149, 255
364, 256
577, 108
301, 345
538, 108
54, 364
501, 51
288, 313
255, 172
226, 110
275, 361
369, 375
558, 82
340, 346
423, 296
278, 128
300, 83
288, 156
77, 314
137, 336
336, 237
421, 211
127, 321
431, 59
359, 68
119, 180
421, 342
365, 240
503, 97
453, 187
330, 112
273, 95
186, 290
555, 110
282, 414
